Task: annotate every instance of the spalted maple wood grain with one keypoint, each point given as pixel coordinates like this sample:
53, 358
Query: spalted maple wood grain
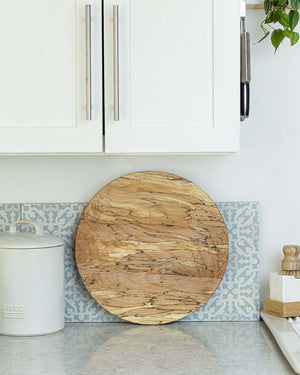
151, 247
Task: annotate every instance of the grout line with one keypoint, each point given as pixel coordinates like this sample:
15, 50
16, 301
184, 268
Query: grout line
32, 203
21, 216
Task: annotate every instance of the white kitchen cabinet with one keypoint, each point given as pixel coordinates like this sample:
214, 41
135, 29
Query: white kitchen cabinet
43, 77
172, 69
171, 72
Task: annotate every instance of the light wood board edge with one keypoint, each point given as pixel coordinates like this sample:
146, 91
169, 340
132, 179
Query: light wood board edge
255, 6
282, 309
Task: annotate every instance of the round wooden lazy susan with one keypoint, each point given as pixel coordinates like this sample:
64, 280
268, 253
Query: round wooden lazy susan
151, 247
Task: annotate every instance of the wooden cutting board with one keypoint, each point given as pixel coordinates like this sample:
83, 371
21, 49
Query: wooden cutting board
151, 247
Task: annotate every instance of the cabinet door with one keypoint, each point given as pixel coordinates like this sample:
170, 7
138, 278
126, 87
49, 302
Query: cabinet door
43, 76
178, 76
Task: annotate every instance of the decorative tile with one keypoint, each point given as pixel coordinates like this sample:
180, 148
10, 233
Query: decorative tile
236, 299
8, 214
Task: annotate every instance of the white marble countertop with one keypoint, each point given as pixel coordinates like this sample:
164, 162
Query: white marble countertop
115, 349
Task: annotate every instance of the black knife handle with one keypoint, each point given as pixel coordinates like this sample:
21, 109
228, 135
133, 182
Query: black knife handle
245, 100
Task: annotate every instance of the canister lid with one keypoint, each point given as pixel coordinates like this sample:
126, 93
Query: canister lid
28, 240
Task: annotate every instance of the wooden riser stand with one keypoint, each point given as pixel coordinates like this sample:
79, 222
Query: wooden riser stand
282, 309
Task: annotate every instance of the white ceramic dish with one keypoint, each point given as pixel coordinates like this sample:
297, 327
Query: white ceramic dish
287, 334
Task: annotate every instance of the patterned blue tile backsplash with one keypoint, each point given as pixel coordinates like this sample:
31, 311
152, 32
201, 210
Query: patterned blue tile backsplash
8, 214
237, 298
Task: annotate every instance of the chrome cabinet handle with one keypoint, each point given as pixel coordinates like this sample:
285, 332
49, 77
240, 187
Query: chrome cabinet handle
88, 35
116, 65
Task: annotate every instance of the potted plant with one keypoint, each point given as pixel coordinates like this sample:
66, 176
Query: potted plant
282, 17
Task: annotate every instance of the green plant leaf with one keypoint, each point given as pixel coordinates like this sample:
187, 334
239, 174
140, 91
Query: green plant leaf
277, 15
267, 6
293, 19
280, 3
277, 37
284, 20
270, 17
274, 16
295, 4
294, 38
287, 33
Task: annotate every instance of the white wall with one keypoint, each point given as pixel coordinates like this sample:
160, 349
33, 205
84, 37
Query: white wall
267, 169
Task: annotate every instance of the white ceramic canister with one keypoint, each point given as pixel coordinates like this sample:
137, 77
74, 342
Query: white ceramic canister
32, 290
